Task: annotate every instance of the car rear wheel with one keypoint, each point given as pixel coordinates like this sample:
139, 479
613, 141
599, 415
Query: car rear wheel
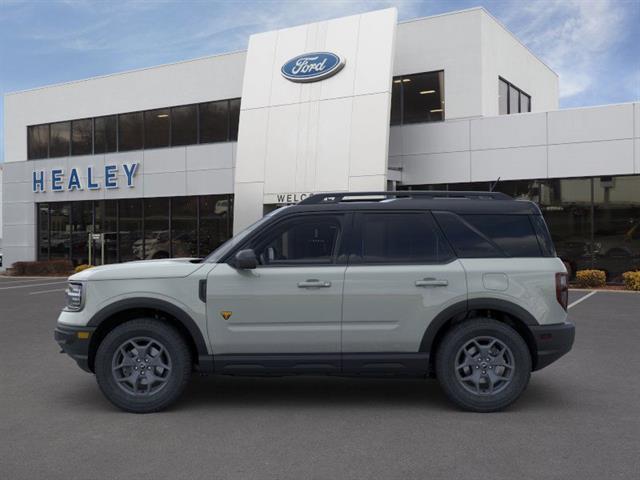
143, 365
483, 365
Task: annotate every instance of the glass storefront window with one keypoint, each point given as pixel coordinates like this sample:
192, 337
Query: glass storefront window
184, 125
214, 121
184, 226
130, 131
503, 97
131, 240
59, 139
105, 134
43, 231
38, 141
60, 235
234, 119
157, 242
215, 220
82, 137
156, 128
81, 227
417, 98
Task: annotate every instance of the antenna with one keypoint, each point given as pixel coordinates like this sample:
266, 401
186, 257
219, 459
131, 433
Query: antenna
494, 185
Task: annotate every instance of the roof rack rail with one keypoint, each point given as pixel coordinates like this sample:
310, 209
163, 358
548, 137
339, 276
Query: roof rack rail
337, 197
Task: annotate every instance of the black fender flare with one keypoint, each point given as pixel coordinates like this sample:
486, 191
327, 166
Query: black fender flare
465, 306
155, 304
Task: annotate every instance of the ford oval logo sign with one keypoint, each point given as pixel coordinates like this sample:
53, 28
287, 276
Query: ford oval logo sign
311, 67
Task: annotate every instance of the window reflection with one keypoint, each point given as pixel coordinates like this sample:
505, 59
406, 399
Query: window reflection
82, 137
131, 243
59, 139
38, 141
156, 128
130, 131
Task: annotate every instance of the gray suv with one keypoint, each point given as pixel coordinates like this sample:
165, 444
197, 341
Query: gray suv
461, 286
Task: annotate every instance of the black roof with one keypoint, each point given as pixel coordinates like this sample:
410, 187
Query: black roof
450, 201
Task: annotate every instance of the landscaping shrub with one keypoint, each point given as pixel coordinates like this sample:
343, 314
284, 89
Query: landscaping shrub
82, 267
48, 267
591, 278
631, 280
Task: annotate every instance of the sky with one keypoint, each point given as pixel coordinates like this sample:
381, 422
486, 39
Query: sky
593, 45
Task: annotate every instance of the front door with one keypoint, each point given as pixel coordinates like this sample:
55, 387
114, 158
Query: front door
401, 276
290, 304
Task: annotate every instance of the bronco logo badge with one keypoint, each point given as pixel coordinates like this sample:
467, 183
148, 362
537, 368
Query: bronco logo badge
226, 314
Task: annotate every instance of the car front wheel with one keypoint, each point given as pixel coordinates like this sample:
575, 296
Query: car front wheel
143, 365
483, 365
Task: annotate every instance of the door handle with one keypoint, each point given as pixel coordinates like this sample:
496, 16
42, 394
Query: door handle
313, 283
431, 282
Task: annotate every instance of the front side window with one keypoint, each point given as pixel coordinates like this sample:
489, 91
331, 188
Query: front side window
400, 238
311, 240
417, 98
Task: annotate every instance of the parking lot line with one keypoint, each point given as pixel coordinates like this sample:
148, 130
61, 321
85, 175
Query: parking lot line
47, 291
581, 299
32, 285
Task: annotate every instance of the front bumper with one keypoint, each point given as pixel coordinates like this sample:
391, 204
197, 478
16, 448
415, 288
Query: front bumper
75, 341
552, 342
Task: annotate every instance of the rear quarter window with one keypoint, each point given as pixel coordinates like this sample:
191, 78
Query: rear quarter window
490, 235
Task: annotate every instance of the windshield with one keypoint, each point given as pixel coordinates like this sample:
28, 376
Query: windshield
226, 247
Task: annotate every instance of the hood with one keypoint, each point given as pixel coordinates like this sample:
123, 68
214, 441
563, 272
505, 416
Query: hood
165, 268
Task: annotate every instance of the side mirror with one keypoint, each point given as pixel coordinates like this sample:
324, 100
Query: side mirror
245, 260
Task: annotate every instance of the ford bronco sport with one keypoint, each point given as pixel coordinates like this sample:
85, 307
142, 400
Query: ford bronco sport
462, 286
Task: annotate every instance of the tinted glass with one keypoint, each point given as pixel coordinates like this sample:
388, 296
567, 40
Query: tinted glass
401, 238
525, 103
305, 240
214, 121
59, 139
514, 100
43, 231
106, 222
105, 134
60, 238
396, 101
184, 125
81, 137
466, 241
81, 226
131, 243
514, 234
38, 141
503, 97
215, 222
157, 125
422, 97
156, 228
130, 131
234, 118
184, 226
544, 238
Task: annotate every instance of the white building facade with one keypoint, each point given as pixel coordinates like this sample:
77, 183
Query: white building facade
170, 160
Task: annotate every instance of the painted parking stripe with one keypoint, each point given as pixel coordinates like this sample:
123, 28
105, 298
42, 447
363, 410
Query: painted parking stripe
582, 299
32, 285
47, 291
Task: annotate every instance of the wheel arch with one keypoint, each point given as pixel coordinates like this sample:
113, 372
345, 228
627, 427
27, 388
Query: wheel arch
502, 310
121, 311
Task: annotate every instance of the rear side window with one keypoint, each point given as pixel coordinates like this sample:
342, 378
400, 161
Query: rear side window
407, 238
514, 234
544, 238
466, 240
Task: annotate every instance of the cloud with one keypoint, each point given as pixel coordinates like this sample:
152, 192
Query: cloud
574, 37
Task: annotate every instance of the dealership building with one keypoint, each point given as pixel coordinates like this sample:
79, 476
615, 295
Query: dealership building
169, 161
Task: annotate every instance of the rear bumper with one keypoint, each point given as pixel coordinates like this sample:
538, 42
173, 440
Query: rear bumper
74, 345
552, 342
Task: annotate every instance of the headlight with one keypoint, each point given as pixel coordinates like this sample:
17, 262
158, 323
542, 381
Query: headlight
75, 297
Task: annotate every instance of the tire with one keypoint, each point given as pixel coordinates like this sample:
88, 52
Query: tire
133, 353
472, 382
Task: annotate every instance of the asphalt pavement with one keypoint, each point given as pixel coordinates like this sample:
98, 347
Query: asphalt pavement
579, 418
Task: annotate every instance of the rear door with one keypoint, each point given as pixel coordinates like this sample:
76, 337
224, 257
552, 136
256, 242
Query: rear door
401, 274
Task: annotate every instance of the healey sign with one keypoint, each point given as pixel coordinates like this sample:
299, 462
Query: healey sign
312, 67
57, 181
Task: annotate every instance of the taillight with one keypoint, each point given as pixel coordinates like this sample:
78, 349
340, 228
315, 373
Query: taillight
562, 289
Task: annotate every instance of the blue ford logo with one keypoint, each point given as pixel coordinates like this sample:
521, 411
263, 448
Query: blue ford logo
311, 67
